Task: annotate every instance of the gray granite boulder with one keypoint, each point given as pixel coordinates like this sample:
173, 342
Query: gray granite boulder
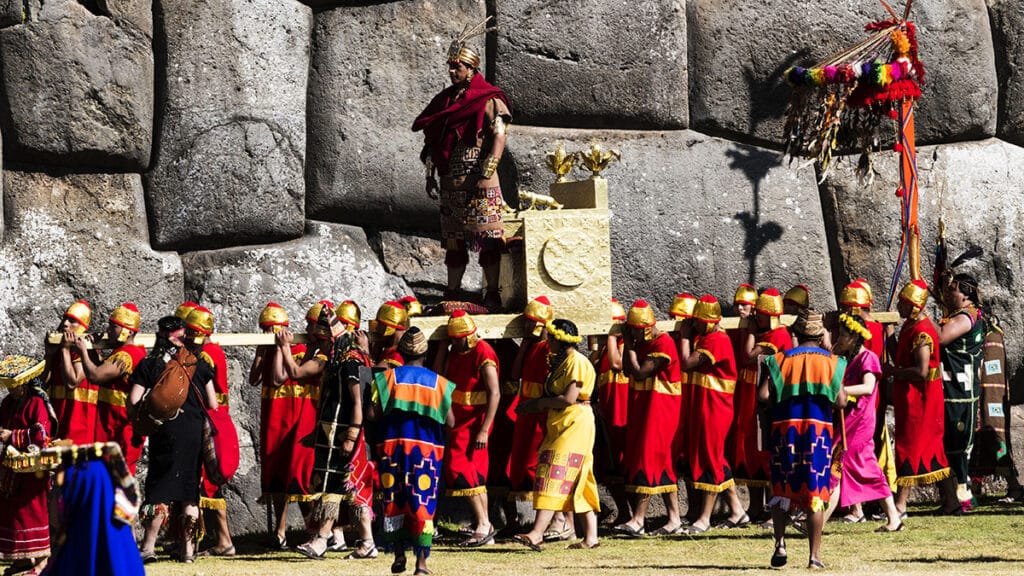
1007, 18
374, 68
231, 148
740, 49
974, 188
594, 64
419, 261
331, 261
78, 89
71, 236
694, 213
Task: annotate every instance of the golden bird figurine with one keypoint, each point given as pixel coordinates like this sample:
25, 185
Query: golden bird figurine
596, 159
561, 163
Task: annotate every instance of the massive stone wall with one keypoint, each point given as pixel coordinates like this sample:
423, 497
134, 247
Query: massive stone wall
240, 151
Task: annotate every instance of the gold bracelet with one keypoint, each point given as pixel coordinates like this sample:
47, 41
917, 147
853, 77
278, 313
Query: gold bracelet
490, 165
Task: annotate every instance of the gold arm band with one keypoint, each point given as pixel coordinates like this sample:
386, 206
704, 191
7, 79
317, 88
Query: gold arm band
499, 126
490, 165
428, 166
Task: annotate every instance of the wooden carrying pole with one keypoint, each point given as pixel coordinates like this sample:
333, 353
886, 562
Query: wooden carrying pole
489, 326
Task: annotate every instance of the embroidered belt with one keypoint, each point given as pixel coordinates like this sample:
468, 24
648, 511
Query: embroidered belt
712, 382
477, 398
79, 394
112, 397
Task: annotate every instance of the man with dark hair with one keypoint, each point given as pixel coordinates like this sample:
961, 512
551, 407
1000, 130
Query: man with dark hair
464, 137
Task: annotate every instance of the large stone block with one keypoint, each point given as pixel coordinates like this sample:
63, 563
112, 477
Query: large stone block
330, 261
695, 213
593, 64
374, 69
741, 48
231, 148
974, 188
71, 236
78, 89
1007, 18
419, 261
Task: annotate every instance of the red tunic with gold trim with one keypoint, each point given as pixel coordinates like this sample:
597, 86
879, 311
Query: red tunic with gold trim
877, 342
465, 467
919, 409
75, 406
751, 464
529, 428
24, 516
213, 354
392, 358
654, 411
287, 421
112, 424
613, 402
711, 386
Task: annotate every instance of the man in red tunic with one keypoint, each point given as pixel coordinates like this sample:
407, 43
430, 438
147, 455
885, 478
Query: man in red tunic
613, 402
73, 397
464, 138
651, 360
749, 460
385, 331
473, 365
26, 419
287, 415
530, 369
112, 379
711, 384
917, 400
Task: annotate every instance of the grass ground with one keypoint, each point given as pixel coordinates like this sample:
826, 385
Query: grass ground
988, 541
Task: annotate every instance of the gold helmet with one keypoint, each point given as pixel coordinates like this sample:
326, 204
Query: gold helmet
460, 325
313, 314
392, 316
708, 310
200, 319
799, 295
855, 297
618, 312
769, 304
273, 316
539, 310
867, 288
642, 316
412, 306
915, 293
80, 312
349, 314
127, 316
185, 307
682, 306
745, 294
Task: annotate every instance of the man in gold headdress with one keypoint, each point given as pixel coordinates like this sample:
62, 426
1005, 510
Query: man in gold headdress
111, 376
464, 138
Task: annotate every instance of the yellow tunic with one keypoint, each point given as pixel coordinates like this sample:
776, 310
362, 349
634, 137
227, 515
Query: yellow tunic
565, 464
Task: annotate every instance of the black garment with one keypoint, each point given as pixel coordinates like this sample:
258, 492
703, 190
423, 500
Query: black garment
334, 415
175, 449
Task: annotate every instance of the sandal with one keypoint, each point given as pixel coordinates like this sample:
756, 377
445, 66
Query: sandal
743, 522
779, 558
855, 520
148, 556
693, 529
422, 571
229, 551
885, 528
582, 545
666, 531
363, 552
398, 566
477, 539
335, 544
567, 532
815, 565
276, 542
309, 551
627, 530
525, 541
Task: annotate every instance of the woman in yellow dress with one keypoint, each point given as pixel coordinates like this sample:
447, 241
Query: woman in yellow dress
565, 464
